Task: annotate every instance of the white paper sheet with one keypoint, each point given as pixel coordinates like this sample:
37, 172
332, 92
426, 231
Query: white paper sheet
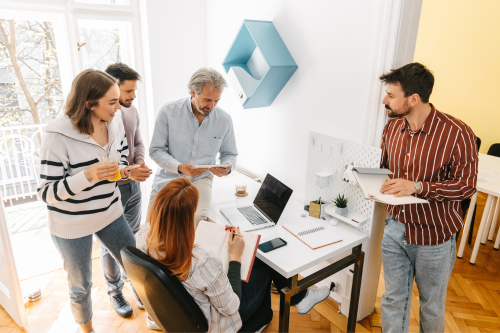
485, 178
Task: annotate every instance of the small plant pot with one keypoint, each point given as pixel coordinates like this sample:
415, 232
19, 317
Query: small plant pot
341, 211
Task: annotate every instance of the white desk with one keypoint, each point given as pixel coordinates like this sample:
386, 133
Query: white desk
490, 164
296, 257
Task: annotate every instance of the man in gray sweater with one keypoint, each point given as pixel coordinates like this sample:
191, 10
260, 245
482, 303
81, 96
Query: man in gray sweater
130, 189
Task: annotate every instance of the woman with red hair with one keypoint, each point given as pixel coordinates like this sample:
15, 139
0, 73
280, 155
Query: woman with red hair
226, 301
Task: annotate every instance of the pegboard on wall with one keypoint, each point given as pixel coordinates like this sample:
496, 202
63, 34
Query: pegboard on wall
326, 153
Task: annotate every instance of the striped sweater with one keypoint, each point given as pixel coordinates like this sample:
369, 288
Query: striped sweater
78, 207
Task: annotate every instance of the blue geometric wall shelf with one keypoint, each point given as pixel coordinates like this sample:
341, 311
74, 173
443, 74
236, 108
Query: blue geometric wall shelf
258, 64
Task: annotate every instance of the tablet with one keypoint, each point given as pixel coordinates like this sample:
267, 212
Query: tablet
225, 166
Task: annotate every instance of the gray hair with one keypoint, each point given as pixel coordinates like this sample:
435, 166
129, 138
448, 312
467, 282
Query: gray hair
206, 75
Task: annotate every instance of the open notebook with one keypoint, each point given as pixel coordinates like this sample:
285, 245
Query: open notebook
370, 181
212, 236
312, 234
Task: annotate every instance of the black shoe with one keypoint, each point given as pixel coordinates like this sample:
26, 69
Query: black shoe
121, 306
139, 303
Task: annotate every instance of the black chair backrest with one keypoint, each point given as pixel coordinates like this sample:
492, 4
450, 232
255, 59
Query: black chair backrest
478, 141
494, 150
167, 301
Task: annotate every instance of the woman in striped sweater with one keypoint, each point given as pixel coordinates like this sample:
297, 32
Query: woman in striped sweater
81, 198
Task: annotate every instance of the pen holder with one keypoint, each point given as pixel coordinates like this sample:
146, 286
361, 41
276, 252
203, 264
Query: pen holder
317, 210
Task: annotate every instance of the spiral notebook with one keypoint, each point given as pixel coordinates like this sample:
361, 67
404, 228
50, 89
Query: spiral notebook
312, 234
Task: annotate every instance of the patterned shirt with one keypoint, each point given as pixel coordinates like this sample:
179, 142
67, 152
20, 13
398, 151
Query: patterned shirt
443, 156
209, 285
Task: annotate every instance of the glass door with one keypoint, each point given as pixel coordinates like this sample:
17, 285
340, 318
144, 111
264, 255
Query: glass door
11, 297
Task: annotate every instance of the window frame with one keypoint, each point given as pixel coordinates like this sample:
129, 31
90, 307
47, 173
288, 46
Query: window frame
78, 17
62, 39
96, 6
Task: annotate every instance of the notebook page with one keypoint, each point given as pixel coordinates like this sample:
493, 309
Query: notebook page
312, 233
371, 183
247, 259
211, 236
305, 226
224, 253
320, 239
392, 200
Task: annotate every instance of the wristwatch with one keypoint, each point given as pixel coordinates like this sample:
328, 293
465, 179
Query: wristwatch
418, 187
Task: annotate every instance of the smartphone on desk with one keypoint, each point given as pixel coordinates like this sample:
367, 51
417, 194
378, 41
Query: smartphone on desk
273, 244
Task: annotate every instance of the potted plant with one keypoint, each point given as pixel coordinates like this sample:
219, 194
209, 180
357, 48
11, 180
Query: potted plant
340, 203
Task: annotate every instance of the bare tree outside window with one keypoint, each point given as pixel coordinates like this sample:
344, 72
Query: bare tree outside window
102, 47
104, 43
30, 83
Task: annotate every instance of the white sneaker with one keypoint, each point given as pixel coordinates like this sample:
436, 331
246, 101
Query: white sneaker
152, 325
313, 297
263, 327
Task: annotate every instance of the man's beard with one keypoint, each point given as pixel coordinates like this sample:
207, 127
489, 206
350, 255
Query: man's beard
393, 114
205, 113
127, 105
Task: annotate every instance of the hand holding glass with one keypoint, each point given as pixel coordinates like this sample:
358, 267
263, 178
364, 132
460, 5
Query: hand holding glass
113, 157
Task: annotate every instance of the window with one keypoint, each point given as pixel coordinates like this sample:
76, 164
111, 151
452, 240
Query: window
30, 82
53, 41
104, 42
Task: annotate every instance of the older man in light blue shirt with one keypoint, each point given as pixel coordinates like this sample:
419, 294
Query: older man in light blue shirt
192, 131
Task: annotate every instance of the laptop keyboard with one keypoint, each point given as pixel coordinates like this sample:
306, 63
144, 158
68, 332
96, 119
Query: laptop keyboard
252, 216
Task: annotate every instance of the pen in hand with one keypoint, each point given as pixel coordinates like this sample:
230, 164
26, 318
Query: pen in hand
231, 229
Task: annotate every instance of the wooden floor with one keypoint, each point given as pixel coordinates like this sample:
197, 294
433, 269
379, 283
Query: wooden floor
473, 303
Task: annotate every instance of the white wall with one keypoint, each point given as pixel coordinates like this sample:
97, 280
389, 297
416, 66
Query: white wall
177, 46
333, 43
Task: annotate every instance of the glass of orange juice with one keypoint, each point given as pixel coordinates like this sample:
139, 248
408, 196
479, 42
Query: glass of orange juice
113, 157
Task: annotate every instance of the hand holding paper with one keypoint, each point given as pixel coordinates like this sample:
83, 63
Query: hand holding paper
372, 180
398, 187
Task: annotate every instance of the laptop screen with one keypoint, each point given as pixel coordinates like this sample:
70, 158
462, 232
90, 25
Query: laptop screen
272, 197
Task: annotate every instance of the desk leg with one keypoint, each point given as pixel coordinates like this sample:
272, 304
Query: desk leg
497, 242
489, 220
356, 290
285, 299
494, 223
468, 220
481, 229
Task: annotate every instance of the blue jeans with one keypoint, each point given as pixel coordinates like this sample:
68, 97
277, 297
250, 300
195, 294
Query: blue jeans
131, 202
76, 254
431, 266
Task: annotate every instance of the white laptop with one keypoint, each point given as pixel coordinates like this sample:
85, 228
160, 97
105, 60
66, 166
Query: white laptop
266, 209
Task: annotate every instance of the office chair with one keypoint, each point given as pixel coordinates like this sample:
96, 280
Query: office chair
494, 150
465, 206
167, 301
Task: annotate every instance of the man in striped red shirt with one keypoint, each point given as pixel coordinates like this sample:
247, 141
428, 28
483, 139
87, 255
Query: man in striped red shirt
433, 156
